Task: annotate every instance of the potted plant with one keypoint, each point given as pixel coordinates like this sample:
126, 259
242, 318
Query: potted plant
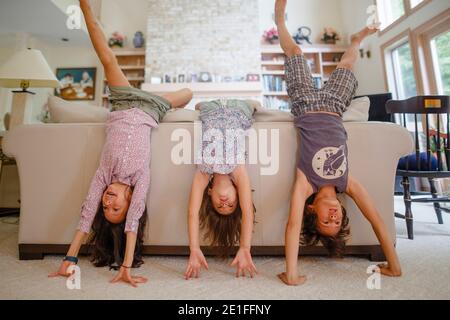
330, 36
271, 36
117, 39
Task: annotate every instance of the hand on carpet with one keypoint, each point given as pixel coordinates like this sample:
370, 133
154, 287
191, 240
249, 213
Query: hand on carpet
244, 263
125, 276
386, 270
62, 271
196, 262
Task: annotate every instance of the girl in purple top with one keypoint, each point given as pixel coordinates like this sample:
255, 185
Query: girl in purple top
322, 170
115, 207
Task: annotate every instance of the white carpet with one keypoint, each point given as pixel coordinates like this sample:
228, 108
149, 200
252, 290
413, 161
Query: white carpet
425, 262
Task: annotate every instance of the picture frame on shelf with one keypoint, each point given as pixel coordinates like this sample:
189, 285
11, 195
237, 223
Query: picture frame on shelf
253, 77
155, 80
205, 77
193, 78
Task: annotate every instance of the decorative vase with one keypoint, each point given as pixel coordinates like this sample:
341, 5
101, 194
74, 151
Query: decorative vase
138, 40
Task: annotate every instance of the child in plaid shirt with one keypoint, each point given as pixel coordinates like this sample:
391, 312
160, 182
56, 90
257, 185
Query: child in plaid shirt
322, 171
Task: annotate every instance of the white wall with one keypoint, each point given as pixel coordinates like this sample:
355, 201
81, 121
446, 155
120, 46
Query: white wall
316, 14
369, 72
131, 16
216, 36
125, 16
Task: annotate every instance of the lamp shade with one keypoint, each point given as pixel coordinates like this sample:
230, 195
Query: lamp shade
27, 65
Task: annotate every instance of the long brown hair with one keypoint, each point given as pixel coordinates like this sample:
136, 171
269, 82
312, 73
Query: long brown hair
222, 231
108, 242
310, 235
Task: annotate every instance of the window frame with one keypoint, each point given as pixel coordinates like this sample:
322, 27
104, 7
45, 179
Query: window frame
408, 12
388, 65
422, 37
421, 52
419, 40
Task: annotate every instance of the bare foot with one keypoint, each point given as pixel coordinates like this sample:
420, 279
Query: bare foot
280, 10
360, 36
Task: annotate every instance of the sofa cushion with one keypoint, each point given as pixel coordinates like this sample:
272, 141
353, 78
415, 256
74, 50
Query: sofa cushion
181, 115
62, 111
358, 111
268, 115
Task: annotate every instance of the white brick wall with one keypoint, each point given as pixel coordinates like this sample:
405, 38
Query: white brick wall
217, 36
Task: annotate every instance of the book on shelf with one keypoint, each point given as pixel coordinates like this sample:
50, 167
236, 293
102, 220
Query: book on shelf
275, 103
274, 83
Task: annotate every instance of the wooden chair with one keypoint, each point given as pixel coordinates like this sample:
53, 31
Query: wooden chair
425, 163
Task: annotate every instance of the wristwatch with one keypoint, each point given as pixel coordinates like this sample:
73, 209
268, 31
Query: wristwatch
71, 259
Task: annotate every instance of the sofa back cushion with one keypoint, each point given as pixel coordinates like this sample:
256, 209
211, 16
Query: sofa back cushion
358, 111
62, 111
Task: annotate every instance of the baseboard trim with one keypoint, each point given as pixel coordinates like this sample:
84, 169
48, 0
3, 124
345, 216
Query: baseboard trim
38, 251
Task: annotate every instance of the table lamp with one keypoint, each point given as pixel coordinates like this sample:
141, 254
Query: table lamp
25, 69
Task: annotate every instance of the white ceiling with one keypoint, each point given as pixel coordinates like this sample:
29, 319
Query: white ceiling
41, 19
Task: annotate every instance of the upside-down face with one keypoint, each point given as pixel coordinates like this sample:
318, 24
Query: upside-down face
223, 195
329, 216
116, 201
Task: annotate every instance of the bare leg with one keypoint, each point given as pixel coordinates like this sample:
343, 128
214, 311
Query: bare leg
179, 99
351, 55
288, 44
113, 73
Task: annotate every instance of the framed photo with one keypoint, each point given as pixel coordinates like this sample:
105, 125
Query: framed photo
76, 83
193, 77
253, 77
205, 77
156, 80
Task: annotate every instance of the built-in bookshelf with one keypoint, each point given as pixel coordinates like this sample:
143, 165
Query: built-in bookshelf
132, 63
210, 90
322, 59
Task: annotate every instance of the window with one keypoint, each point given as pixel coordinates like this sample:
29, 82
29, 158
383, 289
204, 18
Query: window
399, 64
390, 11
403, 72
440, 51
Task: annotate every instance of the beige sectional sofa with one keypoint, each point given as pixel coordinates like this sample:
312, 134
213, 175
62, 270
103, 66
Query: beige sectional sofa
57, 161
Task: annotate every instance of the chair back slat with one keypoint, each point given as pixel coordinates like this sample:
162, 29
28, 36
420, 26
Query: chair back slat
417, 139
438, 143
426, 106
427, 125
447, 151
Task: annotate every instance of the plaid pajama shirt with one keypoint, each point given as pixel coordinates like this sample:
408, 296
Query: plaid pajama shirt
335, 96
